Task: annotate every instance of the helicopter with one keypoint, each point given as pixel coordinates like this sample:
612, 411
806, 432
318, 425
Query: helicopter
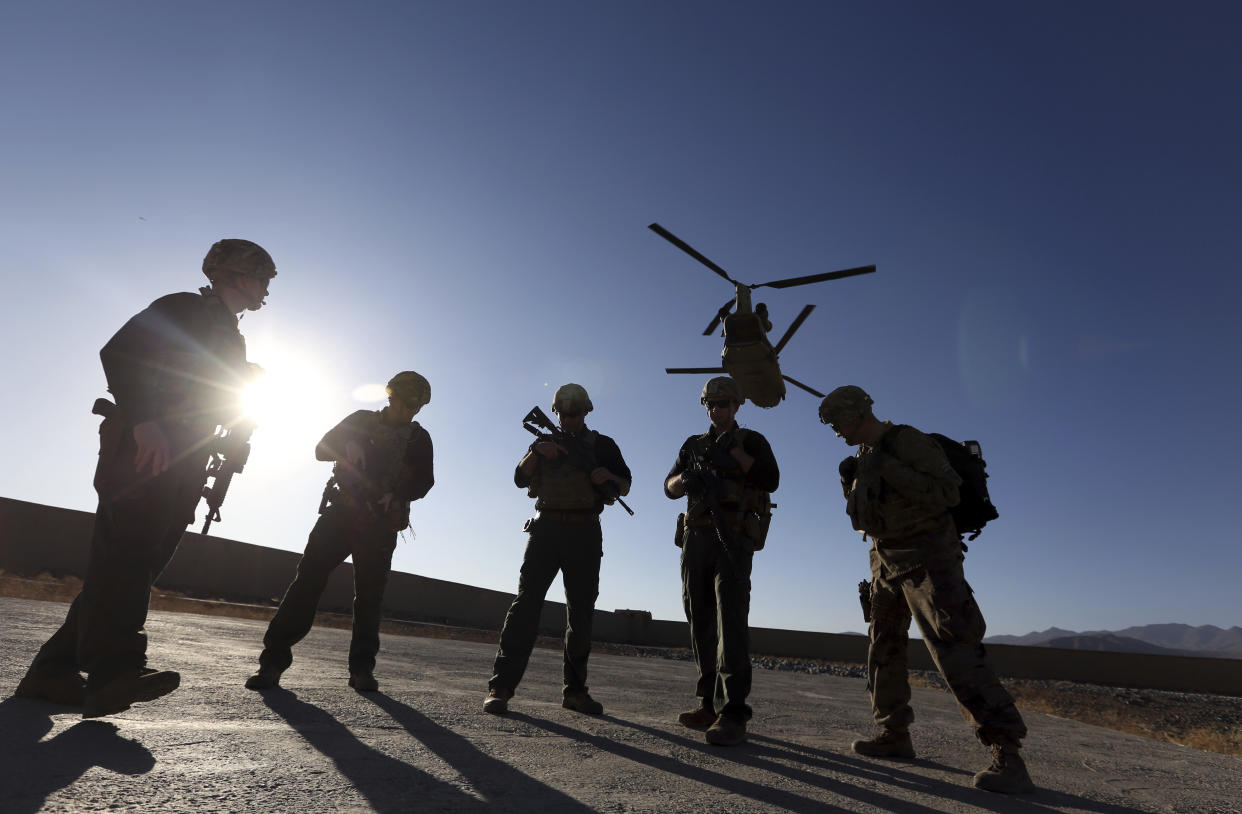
748, 356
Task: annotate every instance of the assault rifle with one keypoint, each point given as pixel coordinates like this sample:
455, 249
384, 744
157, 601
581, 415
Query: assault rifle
701, 479
538, 424
230, 449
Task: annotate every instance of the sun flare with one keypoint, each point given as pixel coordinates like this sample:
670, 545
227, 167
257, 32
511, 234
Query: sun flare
292, 403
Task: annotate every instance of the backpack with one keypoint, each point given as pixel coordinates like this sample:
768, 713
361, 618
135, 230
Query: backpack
975, 509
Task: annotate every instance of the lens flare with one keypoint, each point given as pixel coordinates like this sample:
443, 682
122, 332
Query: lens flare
368, 393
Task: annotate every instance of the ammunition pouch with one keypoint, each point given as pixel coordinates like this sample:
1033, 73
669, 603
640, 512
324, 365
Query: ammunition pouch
364, 512
755, 527
757, 518
749, 524
563, 488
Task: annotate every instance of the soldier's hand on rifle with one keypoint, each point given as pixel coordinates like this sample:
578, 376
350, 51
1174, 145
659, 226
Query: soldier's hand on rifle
152, 455
549, 449
692, 483
602, 474
355, 455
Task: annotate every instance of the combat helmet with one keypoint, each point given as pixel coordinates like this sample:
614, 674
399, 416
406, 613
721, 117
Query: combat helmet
573, 393
411, 387
847, 401
722, 387
237, 256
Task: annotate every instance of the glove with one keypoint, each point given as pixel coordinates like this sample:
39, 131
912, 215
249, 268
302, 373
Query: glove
862, 504
693, 483
848, 468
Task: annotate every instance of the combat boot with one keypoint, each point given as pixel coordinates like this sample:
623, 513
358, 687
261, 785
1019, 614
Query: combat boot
265, 679
68, 689
497, 700
126, 689
726, 731
889, 743
581, 701
363, 682
699, 718
1007, 774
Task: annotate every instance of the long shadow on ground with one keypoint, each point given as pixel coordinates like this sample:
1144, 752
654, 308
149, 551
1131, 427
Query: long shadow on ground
392, 785
32, 769
890, 771
766, 794
498, 782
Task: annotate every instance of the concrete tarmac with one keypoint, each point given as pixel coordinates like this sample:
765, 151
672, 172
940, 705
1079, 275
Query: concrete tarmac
423, 743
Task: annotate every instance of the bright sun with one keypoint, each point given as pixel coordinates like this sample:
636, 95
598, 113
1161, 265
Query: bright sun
292, 404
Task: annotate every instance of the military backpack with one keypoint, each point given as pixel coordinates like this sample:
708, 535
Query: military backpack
975, 509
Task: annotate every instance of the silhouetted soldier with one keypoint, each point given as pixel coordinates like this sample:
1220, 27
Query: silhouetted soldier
728, 473
899, 489
570, 481
175, 370
383, 462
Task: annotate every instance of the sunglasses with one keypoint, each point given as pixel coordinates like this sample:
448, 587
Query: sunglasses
719, 404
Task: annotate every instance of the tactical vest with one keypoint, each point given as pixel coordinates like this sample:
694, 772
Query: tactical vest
734, 493
891, 515
749, 509
385, 448
564, 484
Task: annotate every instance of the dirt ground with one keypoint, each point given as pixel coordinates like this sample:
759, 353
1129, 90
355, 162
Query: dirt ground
1208, 722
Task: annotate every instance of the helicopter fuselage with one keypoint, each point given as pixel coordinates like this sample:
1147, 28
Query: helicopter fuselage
750, 360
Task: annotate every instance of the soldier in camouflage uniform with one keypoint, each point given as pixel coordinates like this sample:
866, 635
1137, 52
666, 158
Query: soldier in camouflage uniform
571, 480
175, 370
899, 489
383, 462
727, 474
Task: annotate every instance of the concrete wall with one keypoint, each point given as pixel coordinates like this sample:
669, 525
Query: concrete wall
36, 539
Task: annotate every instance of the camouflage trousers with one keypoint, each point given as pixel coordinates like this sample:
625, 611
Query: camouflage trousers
938, 598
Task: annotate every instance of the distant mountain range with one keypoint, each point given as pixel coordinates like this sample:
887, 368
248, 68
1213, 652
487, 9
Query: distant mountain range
1168, 639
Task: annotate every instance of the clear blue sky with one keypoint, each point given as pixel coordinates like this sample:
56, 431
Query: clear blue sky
1050, 191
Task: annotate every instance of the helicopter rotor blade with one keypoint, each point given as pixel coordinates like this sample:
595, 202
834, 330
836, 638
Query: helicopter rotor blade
810, 390
694, 370
721, 314
816, 278
690, 250
795, 325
